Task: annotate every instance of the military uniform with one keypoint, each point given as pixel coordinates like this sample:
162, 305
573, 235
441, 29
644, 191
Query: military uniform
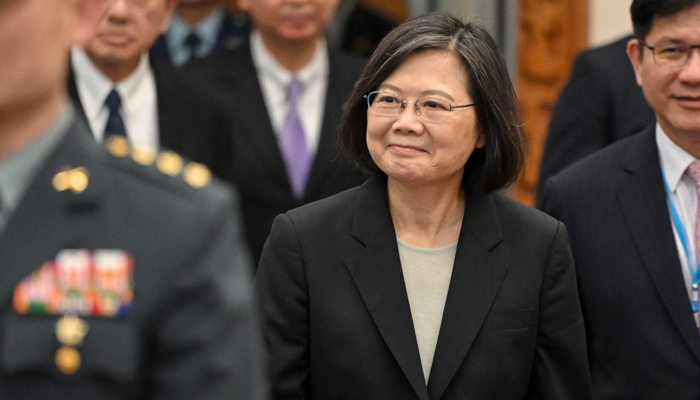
119, 281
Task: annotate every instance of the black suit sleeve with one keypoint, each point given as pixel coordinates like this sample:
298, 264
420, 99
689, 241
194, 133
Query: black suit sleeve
581, 119
280, 284
560, 368
207, 340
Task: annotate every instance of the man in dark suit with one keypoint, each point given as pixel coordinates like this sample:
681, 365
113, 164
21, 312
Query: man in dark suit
287, 46
119, 90
631, 211
601, 104
198, 28
115, 280
358, 29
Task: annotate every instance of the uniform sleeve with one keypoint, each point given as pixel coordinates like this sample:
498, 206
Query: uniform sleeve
580, 122
561, 365
280, 285
207, 344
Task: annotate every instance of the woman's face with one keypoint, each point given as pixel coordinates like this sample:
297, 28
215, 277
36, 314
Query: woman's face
407, 147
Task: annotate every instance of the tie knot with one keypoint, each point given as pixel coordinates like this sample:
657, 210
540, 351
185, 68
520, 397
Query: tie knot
113, 101
193, 40
694, 171
294, 90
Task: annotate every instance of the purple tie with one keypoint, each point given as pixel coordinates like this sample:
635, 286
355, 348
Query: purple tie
694, 172
294, 149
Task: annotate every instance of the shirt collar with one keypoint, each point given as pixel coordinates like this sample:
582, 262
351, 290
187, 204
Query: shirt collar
207, 29
96, 85
674, 160
266, 63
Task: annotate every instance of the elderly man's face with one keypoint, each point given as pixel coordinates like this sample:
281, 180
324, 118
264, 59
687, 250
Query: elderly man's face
290, 20
129, 29
672, 91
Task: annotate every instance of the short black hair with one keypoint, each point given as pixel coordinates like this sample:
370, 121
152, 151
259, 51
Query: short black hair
499, 162
643, 13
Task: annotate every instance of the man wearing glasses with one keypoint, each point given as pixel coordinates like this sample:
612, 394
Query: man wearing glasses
122, 93
116, 281
632, 212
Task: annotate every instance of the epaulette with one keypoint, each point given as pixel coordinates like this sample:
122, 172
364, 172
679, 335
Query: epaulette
167, 162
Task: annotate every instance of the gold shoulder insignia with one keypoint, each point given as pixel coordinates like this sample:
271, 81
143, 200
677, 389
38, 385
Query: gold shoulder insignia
74, 179
169, 163
118, 146
197, 175
144, 155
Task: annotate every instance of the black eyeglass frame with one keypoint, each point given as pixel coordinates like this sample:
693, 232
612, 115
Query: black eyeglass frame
653, 53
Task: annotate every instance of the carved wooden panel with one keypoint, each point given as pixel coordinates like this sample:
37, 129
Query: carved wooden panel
551, 34
394, 9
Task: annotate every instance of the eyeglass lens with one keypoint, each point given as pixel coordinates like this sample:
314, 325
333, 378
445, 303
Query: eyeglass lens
672, 54
389, 105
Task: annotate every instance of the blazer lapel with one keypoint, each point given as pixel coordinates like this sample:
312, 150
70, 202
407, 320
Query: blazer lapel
75, 97
476, 279
339, 87
169, 116
378, 276
45, 215
252, 124
643, 203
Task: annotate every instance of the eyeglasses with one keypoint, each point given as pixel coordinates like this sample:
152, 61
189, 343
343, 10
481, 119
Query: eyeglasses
431, 109
670, 55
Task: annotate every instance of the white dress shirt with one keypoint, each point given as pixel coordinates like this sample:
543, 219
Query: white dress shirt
139, 108
274, 79
674, 161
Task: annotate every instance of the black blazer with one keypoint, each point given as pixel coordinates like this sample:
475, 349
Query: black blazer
601, 104
337, 322
190, 333
191, 119
258, 168
642, 338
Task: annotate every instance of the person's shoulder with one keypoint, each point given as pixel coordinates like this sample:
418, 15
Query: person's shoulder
601, 171
163, 181
222, 65
608, 58
345, 62
514, 214
613, 50
332, 207
607, 158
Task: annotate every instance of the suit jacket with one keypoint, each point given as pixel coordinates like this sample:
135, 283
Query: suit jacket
364, 29
258, 168
192, 120
190, 333
338, 325
234, 29
601, 104
642, 338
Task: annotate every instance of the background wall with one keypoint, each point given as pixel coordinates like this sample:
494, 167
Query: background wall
608, 20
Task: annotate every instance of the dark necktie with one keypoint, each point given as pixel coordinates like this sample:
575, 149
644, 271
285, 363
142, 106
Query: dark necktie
192, 42
115, 123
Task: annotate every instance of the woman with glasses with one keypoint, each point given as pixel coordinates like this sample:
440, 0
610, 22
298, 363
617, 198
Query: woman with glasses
425, 283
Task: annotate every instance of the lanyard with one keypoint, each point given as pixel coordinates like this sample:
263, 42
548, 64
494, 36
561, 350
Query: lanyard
692, 265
